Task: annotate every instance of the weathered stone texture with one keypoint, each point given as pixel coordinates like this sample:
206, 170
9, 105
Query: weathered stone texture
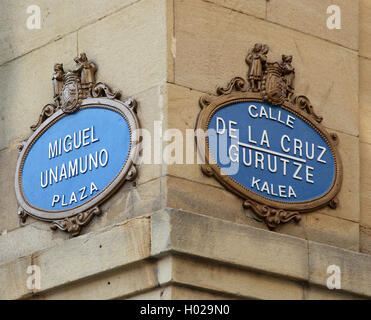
364, 100
130, 202
229, 280
365, 182
13, 279
163, 293
182, 232
256, 249
326, 229
97, 252
129, 46
365, 28
27, 86
26, 240
349, 207
138, 257
171, 41
310, 16
8, 203
252, 7
365, 240
318, 293
354, 267
208, 200
114, 285
182, 110
58, 18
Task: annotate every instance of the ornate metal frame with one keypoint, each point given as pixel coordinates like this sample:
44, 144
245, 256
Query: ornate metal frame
93, 96
276, 90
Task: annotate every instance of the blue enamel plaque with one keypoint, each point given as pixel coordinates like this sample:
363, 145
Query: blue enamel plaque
75, 159
271, 152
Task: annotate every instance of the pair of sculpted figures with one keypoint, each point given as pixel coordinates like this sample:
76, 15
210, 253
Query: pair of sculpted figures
257, 62
71, 87
84, 73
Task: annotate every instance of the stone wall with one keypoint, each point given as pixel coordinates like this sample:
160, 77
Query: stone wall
166, 54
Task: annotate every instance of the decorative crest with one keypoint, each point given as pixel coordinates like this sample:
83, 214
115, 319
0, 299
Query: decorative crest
72, 87
273, 81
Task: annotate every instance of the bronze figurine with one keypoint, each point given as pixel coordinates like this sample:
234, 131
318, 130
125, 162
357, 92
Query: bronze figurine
86, 69
288, 73
58, 81
256, 59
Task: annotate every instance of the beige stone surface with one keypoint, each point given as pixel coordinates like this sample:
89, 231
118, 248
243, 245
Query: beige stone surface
127, 203
349, 203
365, 240
94, 253
162, 293
365, 182
128, 280
209, 200
8, 203
26, 240
151, 113
252, 7
130, 202
176, 292
365, 99
256, 248
365, 28
13, 279
317, 293
354, 267
326, 229
161, 228
247, 247
211, 49
234, 261
229, 280
182, 109
27, 86
171, 41
129, 46
185, 293
310, 16
332, 231
58, 18
220, 203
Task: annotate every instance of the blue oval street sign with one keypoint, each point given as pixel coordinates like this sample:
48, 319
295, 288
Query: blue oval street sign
267, 145
73, 161
271, 152
278, 158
